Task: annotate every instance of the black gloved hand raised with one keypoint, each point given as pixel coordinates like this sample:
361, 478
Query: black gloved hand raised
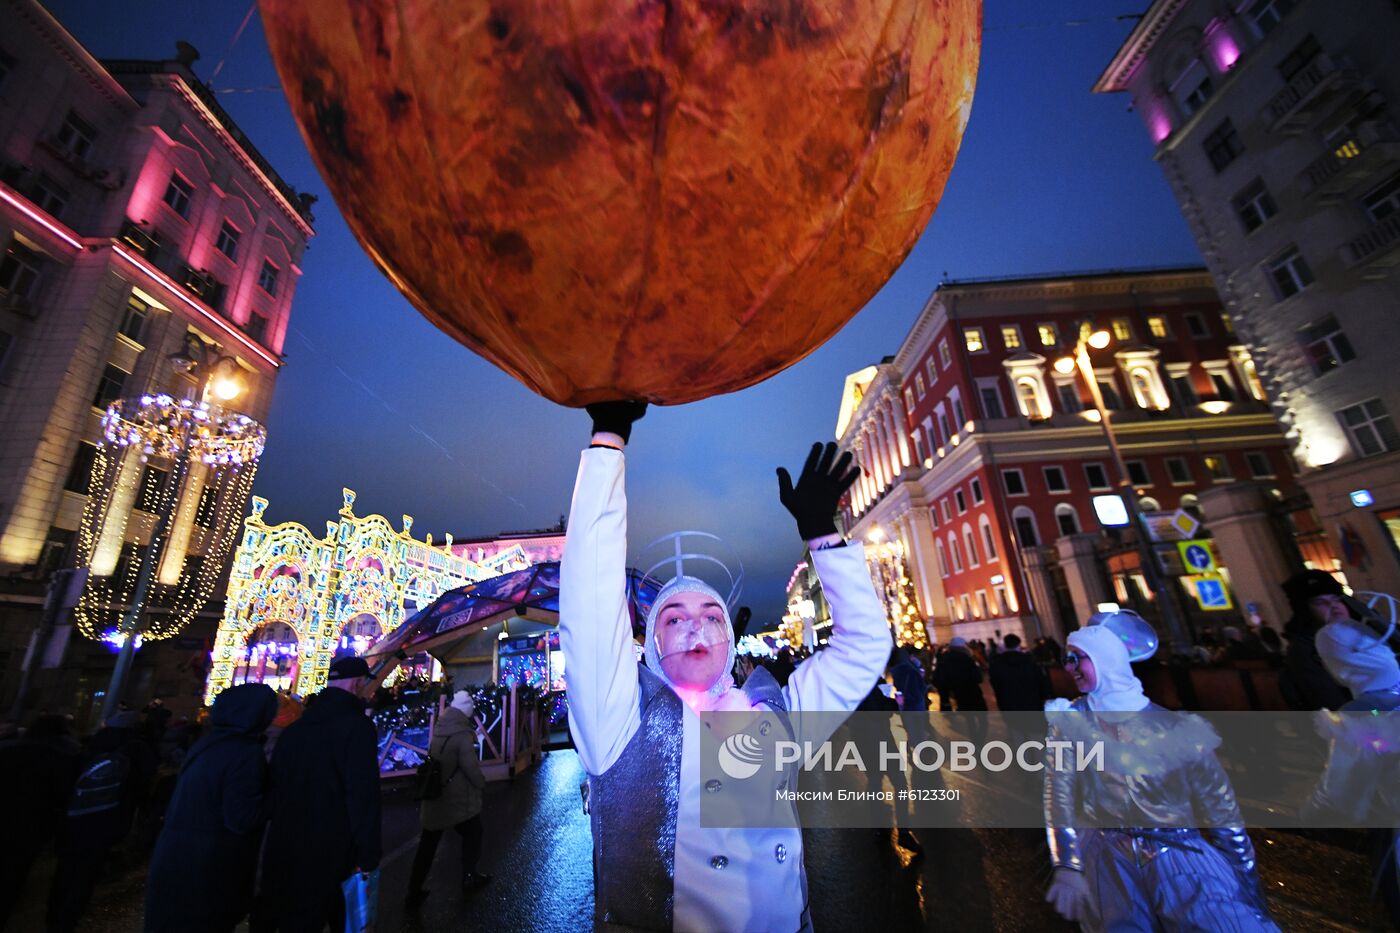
616, 417
814, 499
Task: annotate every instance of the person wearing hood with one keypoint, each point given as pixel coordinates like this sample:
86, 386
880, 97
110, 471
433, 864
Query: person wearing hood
1362, 777
960, 676
1316, 599
201, 875
637, 728
1168, 849
459, 805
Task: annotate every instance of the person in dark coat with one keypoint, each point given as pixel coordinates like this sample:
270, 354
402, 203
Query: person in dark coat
459, 806
113, 780
201, 876
909, 681
959, 676
36, 777
1018, 682
1316, 599
325, 808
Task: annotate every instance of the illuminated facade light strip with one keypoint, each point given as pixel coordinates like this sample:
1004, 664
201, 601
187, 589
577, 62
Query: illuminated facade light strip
203, 311
39, 218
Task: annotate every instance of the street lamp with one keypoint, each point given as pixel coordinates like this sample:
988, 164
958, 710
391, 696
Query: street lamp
184, 432
1166, 598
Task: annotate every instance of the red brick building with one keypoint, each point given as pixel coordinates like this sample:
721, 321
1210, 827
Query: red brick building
982, 459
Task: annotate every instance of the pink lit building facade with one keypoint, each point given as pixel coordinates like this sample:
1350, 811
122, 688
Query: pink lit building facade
134, 214
982, 460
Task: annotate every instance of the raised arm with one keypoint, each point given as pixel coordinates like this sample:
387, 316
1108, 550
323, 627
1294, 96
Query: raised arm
595, 628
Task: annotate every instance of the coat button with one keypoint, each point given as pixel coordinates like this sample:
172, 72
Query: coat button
712, 786
780, 853
764, 726
718, 862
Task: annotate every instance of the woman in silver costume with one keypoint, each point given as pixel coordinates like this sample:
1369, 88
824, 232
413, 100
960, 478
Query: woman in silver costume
1154, 869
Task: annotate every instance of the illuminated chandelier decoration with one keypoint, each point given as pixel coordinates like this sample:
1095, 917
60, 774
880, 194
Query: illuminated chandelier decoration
205, 458
891, 578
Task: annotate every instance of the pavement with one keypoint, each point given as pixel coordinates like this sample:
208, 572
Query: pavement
538, 848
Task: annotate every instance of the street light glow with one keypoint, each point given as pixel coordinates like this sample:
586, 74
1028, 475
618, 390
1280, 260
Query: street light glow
227, 388
1064, 365
1100, 339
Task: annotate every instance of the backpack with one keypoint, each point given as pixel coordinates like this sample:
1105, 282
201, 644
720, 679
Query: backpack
100, 783
429, 781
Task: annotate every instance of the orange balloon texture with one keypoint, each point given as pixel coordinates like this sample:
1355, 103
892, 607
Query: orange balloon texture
648, 200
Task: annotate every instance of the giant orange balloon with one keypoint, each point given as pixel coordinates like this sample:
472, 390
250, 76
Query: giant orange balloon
651, 199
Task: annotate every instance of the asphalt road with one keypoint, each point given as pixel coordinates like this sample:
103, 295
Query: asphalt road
538, 848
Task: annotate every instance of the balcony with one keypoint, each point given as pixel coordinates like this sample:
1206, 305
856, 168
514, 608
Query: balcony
1374, 146
1375, 251
1291, 110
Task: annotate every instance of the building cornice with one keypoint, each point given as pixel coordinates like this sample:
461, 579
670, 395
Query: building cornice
1134, 49
73, 51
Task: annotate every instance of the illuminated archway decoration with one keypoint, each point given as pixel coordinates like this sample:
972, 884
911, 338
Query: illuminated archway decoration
361, 568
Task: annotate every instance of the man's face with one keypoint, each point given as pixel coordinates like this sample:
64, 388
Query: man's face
692, 639
1329, 608
1081, 668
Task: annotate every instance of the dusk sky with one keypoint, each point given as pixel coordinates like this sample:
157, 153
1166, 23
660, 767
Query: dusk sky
1050, 178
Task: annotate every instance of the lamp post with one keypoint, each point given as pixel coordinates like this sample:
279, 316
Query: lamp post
1177, 635
217, 377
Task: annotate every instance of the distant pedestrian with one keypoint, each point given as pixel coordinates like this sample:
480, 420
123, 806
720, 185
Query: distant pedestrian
113, 780
325, 808
36, 777
1018, 682
458, 806
201, 876
909, 680
960, 676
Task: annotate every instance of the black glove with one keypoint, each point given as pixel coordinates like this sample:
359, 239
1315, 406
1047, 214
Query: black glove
616, 417
819, 489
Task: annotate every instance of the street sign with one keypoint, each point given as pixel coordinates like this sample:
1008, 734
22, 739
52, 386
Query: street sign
1210, 592
1184, 523
1196, 556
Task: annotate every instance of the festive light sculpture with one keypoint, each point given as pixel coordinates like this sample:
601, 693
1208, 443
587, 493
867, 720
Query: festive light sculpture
662, 201
891, 578
181, 471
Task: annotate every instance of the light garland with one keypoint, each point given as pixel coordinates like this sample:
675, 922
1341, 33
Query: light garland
201, 447
891, 578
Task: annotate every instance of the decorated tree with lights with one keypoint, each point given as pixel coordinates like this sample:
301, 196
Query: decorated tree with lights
891, 577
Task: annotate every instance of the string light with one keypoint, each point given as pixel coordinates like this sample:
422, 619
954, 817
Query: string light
890, 575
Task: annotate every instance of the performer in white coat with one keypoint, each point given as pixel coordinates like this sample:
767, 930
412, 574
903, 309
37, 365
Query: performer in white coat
637, 728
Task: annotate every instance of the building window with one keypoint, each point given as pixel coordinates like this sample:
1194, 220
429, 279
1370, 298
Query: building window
1179, 471
1140, 381
970, 542
908, 399
1030, 396
920, 451
134, 316
148, 493
1011, 336
1192, 88
943, 423
204, 512
1003, 605
972, 336
945, 357
1267, 14
1055, 479
1096, 475
1223, 145
1049, 337
1383, 201
80, 473
1218, 467
1068, 394
267, 277
58, 547
20, 271
966, 606
1302, 55
1254, 205
961, 500
989, 540
959, 416
947, 510
49, 195
1109, 392
257, 328
919, 384
1014, 481
1289, 273
952, 609
1137, 473
1184, 389
933, 516
177, 195
1024, 521
1066, 519
955, 551
76, 135
982, 602
1327, 345
977, 497
228, 240
942, 558
1157, 327
109, 387
1259, 466
1224, 388
991, 402
932, 372
1370, 428
1122, 330
1196, 326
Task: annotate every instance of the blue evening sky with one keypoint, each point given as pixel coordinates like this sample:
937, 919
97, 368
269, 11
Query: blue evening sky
1050, 178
